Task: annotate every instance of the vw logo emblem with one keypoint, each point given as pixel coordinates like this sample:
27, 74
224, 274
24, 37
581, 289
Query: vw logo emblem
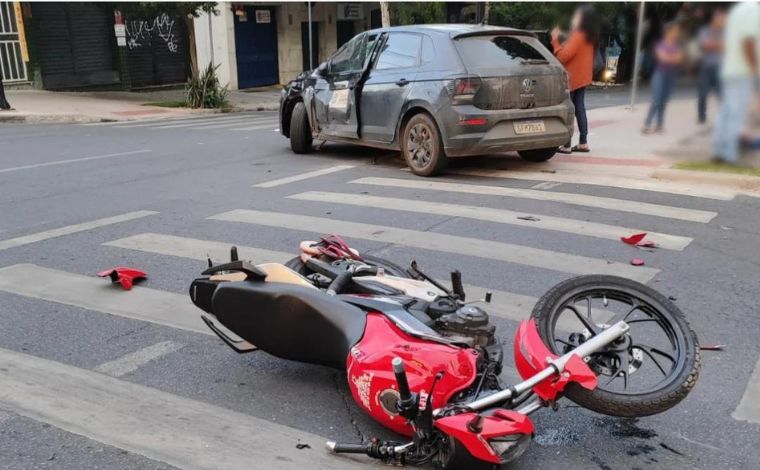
527, 85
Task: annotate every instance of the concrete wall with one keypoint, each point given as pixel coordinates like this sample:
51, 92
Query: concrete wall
289, 17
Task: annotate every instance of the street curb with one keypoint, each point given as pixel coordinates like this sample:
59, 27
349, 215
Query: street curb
740, 182
52, 118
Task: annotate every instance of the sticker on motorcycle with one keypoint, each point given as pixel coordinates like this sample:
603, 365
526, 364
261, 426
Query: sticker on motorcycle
363, 384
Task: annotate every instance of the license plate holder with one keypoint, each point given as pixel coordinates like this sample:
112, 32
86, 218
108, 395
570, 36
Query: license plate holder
529, 127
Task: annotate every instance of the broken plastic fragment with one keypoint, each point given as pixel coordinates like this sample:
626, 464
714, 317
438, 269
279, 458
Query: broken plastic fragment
529, 218
124, 275
712, 347
637, 262
633, 239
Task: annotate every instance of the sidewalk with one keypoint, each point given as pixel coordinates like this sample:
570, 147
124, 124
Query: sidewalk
98, 106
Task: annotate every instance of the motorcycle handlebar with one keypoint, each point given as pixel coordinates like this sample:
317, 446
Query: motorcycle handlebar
403, 385
339, 283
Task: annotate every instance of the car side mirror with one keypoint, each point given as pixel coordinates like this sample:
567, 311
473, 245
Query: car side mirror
322, 69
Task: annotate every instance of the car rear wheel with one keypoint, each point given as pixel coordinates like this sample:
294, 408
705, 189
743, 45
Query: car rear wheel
300, 132
538, 155
422, 147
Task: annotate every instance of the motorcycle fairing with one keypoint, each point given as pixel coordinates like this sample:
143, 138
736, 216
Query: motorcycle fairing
499, 424
532, 356
287, 320
371, 379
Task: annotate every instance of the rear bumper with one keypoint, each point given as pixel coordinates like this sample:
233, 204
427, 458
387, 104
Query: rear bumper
498, 135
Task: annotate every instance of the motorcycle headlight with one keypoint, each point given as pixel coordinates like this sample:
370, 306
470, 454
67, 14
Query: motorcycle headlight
510, 447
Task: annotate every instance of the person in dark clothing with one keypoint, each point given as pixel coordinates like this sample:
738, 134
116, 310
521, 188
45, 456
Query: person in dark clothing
669, 56
4, 104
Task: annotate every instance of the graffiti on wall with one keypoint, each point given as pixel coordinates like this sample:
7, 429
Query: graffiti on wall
142, 33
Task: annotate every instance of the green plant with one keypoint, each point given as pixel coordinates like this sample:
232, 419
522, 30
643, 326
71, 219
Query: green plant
204, 91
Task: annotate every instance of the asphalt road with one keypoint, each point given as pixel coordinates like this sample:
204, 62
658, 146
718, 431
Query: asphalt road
93, 377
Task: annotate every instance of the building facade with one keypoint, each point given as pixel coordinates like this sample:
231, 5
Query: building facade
267, 43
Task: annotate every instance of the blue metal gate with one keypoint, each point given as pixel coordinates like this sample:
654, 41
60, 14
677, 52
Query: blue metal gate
256, 47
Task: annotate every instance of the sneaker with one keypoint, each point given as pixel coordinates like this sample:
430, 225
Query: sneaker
647, 130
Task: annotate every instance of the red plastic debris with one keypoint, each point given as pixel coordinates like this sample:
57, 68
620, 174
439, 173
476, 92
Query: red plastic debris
637, 262
633, 239
124, 275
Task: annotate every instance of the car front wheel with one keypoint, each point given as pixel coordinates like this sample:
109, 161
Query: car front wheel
300, 132
421, 146
538, 155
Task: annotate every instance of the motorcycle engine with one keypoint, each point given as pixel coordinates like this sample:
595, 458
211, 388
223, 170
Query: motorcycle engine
465, 323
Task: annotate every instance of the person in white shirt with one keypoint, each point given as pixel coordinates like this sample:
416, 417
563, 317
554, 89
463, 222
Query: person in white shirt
739, 76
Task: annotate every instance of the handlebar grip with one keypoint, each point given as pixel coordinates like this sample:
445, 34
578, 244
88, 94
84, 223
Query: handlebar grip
403, 385
339, 283
347, 448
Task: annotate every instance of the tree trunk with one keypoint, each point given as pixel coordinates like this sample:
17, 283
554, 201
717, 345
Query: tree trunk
486, 10
190, 24
385, 15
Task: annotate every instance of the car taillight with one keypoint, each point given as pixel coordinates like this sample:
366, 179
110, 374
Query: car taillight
464, 89
566, 81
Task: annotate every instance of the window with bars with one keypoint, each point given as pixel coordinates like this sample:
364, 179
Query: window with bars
12, 67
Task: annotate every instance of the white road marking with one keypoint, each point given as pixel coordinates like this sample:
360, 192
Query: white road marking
68, 230
257, 124
193, 248
613, 181
73, 160
218, 121
749, 406
167, 428
134, 360
619, 205
94, 293
505, 304
546, 185
498, 251
191, 120
502, 216
257, 128
302, 176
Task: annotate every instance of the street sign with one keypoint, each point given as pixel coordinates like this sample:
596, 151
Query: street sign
349, 11
263, 16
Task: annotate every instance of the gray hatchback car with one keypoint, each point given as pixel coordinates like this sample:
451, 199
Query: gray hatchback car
433, 92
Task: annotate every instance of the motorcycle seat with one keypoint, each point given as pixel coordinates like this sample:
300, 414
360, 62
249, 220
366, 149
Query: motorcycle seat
290, 320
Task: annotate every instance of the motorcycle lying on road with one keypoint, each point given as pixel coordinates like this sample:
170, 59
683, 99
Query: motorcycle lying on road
427, 365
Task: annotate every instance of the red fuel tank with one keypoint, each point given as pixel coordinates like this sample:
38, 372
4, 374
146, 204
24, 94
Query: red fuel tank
371, 379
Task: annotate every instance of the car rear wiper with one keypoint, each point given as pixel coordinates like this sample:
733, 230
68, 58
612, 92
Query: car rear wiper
534, 62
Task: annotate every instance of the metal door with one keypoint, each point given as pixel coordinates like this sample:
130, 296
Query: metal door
256, 47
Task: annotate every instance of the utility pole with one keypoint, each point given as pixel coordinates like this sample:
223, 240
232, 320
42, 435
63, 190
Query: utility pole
385, 14
637, 59
486, 10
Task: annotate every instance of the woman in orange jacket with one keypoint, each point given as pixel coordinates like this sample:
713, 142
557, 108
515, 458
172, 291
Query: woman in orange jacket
577, 55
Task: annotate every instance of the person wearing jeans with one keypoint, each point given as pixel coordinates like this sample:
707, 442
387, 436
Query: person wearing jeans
577, 55
711, 44
669, 57
739, 74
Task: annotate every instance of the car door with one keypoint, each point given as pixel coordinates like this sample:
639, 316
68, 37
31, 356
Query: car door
336, 103
388, 84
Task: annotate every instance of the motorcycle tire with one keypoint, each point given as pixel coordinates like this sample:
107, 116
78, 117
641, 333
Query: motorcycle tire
390, 268
456, 457
670, 391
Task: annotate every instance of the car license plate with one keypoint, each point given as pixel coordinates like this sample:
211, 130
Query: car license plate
529, 127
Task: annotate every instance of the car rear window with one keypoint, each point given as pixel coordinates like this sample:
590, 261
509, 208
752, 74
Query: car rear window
498, 52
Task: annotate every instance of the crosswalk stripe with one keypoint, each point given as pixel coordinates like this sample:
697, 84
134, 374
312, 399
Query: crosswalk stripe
749, 407
219, 121
193, 248
503, 216
257, 128
302, 176
134, 360
168, 428
613, 181
258, 124
505, 304
620, 205
68, 230
210, 118
93, 293
506, 252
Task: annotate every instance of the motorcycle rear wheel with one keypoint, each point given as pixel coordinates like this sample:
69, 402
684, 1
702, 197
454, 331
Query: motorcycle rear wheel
390, 268
645, 307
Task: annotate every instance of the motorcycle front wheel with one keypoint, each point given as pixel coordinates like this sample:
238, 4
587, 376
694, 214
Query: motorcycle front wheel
390, 268
648, 371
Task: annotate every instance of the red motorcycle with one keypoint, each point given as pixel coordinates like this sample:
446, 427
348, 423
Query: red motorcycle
426, 364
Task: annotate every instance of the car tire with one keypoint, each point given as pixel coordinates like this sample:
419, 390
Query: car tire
300, 132
538, 155
422, 147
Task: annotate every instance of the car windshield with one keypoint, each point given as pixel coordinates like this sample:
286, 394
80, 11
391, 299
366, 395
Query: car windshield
482, 53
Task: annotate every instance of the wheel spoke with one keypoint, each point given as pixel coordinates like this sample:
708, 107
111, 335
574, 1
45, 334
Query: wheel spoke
622, 370
586, 321
650, 351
